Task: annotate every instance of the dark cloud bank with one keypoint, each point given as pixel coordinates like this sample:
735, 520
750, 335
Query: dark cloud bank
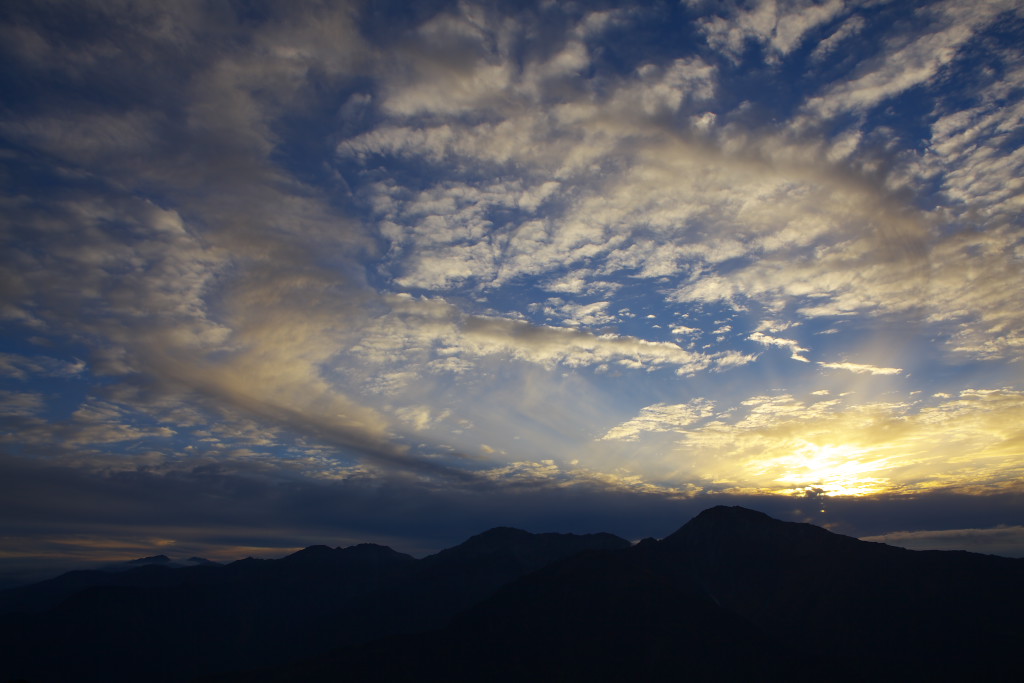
211, 512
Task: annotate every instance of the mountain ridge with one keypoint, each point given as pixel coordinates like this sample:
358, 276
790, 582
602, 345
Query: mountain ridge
732, 593
254, 612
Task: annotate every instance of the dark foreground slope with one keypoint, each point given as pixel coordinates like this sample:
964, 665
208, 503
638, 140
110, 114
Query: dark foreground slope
733, 595
159, 624
872, 608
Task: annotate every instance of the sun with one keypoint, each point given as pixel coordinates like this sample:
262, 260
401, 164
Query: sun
836, 469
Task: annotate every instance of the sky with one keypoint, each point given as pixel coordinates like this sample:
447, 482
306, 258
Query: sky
283, 273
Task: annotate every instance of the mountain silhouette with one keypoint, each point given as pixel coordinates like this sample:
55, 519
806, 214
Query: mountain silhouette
919, 615
177, 623
732, 595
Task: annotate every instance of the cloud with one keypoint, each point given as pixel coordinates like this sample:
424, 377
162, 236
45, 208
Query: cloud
861, 368
908, 64
23, 367
544, 344
418, 326
579, 281
780, 26
260, 354
452, 64
231, 307
421, 417
661, 417
1002, 540
850, 27
796, 350
20, 404
765, 195
865, 448
224, 515
579, 314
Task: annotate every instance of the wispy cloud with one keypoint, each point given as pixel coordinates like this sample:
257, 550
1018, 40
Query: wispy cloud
1001, 540
661, 418
861, 368
779, 26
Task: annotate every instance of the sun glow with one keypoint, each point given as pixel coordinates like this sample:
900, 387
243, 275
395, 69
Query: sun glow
782, 444
835, 469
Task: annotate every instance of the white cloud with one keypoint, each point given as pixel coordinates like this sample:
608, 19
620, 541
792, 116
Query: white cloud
484, 161
969, 443
779, 25
910, 63
420, 329
861, 368
660, 417
796, 351
21, 403
23, 367
97, 423
577, 314
850, 27
579, 281
421, 417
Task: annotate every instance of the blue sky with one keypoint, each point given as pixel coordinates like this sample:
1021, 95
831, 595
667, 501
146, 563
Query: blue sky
283, 273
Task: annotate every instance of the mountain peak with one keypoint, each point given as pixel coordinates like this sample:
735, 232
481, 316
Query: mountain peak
309, 552
506, 538
733, 511
525, 548
367, 550
363, 552
503, 532
154, 559
724, 519
737, 525
733, 514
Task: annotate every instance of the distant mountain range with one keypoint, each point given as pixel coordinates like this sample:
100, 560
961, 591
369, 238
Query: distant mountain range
733, 595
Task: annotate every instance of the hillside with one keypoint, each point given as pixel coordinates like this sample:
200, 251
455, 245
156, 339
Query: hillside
732, 595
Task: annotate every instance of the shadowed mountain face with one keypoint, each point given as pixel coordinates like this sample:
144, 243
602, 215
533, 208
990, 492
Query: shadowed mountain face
732, 595
159, 623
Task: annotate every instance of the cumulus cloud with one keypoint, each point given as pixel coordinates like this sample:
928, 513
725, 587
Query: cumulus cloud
575, 314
